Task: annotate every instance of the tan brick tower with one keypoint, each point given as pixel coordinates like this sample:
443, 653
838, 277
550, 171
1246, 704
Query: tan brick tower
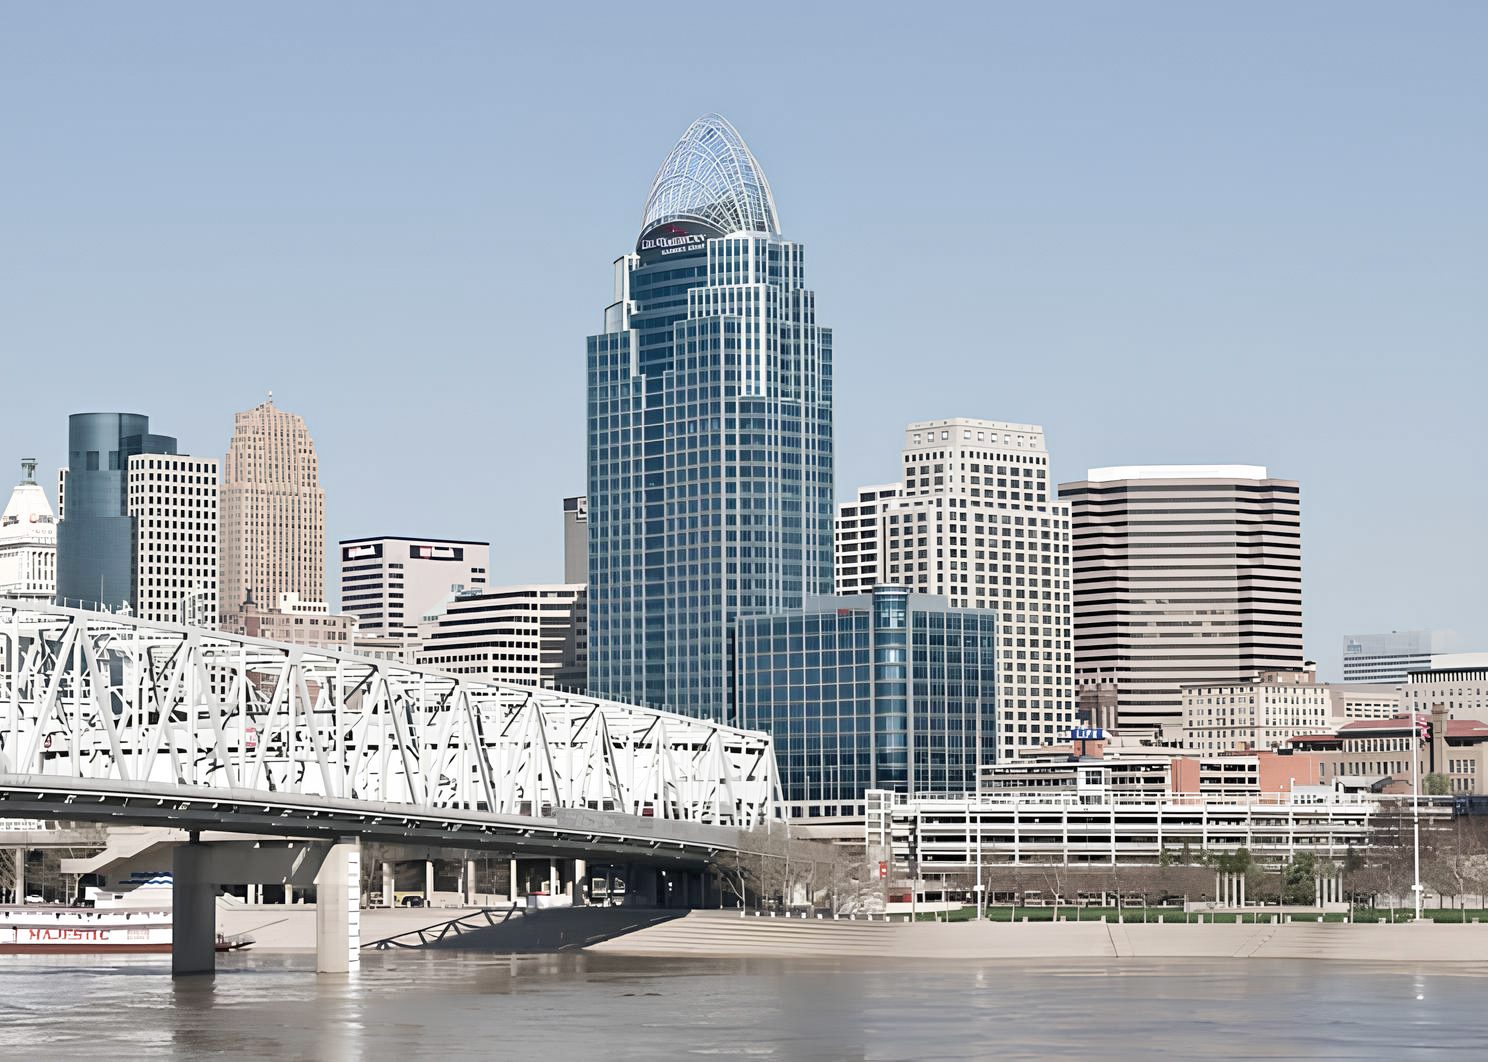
273, 513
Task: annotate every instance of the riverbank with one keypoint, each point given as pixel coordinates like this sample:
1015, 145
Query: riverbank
725, 934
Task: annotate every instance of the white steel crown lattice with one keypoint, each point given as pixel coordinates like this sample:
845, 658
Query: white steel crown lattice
712, 178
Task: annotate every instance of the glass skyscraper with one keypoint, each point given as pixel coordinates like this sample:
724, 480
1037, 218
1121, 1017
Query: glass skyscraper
95, 539
884, 690
709, 432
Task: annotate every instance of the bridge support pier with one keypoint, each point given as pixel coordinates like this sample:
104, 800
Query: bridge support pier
641, 885
389, 885
193, 911
338, 902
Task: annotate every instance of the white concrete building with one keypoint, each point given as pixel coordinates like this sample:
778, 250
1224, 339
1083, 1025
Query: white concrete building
935, 837
975, 522
859, 538
1183, 575
1391, 657
173, 499
28, 541
536, 635
389, 582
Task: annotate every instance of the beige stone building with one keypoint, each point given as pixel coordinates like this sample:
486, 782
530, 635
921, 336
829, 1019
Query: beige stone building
1276, 706
273, 514
297, 622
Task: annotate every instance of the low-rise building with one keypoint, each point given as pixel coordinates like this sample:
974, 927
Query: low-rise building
1386, 753
1275, 707
309, 623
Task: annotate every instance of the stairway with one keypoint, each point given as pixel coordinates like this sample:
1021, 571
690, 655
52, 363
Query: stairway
725, 933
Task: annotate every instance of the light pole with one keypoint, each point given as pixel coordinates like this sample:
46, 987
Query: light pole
1416, 806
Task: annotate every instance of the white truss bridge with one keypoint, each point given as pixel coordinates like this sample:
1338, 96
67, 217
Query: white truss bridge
104, 717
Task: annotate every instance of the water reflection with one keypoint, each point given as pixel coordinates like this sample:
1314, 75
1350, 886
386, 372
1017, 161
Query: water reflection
452, 1005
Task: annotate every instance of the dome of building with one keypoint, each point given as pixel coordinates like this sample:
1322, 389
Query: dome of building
711, 178
28, 514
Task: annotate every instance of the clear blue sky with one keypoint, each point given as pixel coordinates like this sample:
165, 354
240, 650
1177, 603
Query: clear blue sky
1168, 232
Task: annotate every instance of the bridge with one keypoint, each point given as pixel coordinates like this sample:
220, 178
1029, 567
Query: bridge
111, 719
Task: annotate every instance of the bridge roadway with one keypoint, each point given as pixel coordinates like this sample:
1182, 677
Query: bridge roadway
569, 833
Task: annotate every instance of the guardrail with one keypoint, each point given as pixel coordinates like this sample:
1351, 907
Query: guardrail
417, 938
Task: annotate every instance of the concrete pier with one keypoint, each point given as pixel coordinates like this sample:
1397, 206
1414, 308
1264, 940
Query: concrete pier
338, 903
193, 911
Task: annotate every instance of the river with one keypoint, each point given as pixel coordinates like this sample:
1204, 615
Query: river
452, 1005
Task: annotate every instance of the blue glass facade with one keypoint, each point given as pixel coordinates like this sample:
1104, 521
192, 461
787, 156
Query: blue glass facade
888, 690
95, 540
709, 435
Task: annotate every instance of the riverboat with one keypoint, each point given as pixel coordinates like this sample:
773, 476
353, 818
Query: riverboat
80, 930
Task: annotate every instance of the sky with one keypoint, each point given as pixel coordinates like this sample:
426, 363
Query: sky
1167, 232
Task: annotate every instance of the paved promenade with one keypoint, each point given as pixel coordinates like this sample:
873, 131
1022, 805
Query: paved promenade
726, 934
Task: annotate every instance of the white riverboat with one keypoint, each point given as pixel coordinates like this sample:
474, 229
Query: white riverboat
80, 930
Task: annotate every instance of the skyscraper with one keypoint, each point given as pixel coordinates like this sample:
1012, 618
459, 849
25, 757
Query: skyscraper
273, 513
975, 522
95, 539
1184, 575
709, 432
173, 500
28, 541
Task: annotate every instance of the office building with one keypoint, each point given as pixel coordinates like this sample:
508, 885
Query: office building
1183, 575
172, 500
389, 583
576, 539
296, 622
28, 541
859, 537
973, 522
273, 513
533, 635
1456, 681
1276, 706
709, 432
1392, 657
887, 690
95, 535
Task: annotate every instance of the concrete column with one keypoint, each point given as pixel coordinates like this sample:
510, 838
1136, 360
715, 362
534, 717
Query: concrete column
554, 886
470, 883
389, 885
609, 886
581, 883
338, 901
20, 875
1242, 890
193, 912
428, 882
511, 881
288, 895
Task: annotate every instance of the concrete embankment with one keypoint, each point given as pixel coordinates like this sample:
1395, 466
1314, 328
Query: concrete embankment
714, 933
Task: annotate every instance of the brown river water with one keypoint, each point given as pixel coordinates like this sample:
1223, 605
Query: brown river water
550, 1008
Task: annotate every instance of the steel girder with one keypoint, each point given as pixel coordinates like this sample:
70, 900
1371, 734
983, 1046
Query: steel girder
103, 697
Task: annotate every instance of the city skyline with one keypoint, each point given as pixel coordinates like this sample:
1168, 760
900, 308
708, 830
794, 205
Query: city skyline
1321, 297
